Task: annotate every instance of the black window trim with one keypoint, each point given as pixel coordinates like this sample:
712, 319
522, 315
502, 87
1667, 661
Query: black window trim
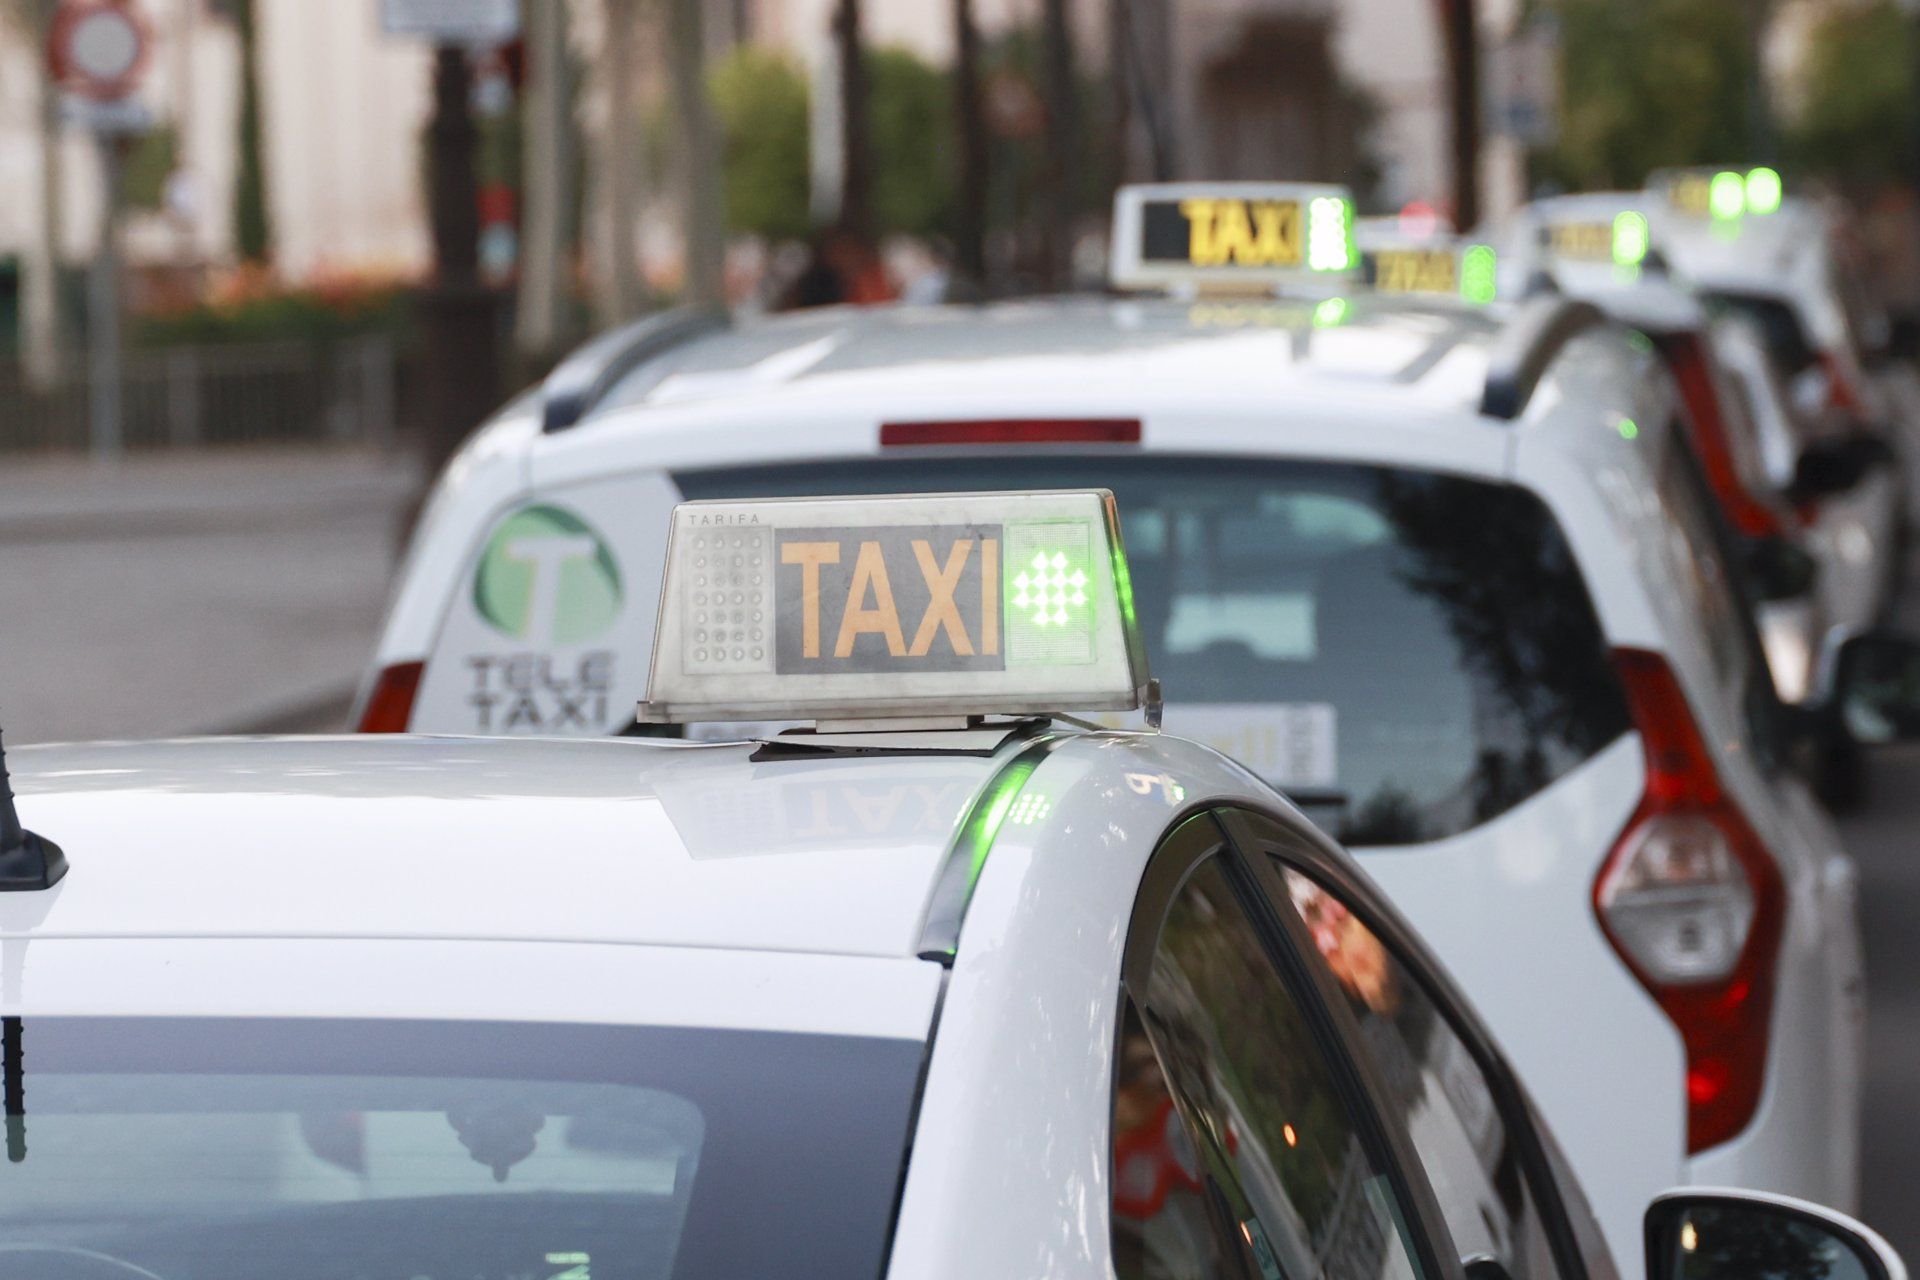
1186, 844
1263, 842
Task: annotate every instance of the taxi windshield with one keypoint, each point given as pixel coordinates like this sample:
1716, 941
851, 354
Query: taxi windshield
236, 1149
1404, 653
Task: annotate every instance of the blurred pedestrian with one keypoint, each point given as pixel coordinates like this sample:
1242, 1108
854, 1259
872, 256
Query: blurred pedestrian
840, 268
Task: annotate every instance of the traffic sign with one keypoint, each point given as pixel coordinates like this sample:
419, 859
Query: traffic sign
480, 23
98, 49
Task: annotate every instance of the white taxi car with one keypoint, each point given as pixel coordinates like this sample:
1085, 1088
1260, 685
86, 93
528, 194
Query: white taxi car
1445, 575
920, 991
1599, 247
1737, 240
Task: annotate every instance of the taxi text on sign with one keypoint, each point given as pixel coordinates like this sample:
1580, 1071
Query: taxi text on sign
853, 600
1224, 231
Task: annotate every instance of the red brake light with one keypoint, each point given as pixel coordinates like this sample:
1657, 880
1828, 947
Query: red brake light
1693, 902
390, 705
1686, 357
1013, 431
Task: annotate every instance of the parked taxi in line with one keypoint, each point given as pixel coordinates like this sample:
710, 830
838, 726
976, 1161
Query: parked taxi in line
937, 985
1448, 576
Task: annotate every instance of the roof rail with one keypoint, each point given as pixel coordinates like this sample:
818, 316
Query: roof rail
583, 379
1525, 348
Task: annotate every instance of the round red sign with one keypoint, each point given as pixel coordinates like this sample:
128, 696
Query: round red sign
98, 48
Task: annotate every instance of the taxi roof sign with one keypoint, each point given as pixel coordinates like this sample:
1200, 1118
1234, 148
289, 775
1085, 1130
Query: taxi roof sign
1432, 265
931, 606
1719, 194
1191, 235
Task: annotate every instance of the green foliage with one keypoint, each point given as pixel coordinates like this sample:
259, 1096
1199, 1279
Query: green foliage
1858, 82
150, 164
913, 143
1649, 83
761, 99
298, 315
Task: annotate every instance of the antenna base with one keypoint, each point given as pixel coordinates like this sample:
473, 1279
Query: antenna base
33, 864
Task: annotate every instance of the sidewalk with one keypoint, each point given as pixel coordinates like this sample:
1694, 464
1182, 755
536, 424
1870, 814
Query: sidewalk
190, 593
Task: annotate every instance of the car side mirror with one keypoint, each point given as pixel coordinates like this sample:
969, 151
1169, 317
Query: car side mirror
1836, 465
1874, 688
1779, 569
1748, 1235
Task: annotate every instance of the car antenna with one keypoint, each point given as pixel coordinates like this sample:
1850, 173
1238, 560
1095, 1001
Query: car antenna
27, 862
13, 1069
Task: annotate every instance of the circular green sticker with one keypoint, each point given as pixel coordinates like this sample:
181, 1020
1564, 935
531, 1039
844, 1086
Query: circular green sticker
548, 577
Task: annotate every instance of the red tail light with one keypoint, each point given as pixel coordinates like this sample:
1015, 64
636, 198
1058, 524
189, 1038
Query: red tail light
1693, 902
1013, 431
1688, 360
390, 705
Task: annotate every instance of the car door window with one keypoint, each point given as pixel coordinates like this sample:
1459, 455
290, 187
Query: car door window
1436, 1088
1264, 1127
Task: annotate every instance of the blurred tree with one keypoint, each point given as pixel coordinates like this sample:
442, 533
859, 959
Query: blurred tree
970, 210
1857, 79
856, 133
1060, 89
1647, 83
252, 227
911, 114
762, 101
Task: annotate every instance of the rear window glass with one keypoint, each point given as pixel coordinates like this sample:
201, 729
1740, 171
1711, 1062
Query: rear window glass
314, 1149
1407, 654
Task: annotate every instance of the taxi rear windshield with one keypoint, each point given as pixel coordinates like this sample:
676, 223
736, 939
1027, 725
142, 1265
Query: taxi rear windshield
237, 1149
1407, 654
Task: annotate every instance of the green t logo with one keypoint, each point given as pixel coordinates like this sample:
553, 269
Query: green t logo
547, 577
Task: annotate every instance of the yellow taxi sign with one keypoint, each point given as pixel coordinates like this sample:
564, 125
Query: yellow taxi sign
1190, 234
937, 605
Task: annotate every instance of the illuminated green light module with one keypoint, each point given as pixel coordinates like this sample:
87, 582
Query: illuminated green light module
1049, 594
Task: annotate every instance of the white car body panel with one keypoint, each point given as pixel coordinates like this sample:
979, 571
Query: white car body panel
1248, 393
1014, 1123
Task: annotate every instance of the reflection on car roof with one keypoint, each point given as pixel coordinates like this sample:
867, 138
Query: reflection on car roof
1357, 338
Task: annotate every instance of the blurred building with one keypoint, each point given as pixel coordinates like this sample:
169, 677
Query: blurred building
342, 107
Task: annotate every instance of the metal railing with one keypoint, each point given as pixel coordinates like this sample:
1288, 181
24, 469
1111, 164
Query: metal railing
186, 397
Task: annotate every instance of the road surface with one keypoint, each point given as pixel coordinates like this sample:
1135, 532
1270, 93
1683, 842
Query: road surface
191, 594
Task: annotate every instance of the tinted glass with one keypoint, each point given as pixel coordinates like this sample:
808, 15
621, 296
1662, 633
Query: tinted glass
318, 1150
1271, 1132
1438, 1090
1410, 654
1786, 338
1698, 550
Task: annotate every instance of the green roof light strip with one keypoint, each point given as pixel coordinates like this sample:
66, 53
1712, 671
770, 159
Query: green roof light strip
1479, 280
1763, 190
1329, 234
1630, 238
999, 802
984, 823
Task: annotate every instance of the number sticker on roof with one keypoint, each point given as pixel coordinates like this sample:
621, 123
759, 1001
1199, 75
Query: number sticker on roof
1248, 233
867, 608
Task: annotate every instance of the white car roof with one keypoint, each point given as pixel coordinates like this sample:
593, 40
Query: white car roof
1769, 254
623, 842
1281, 347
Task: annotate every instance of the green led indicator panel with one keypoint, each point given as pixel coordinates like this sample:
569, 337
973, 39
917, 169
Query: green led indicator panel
1050, 594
